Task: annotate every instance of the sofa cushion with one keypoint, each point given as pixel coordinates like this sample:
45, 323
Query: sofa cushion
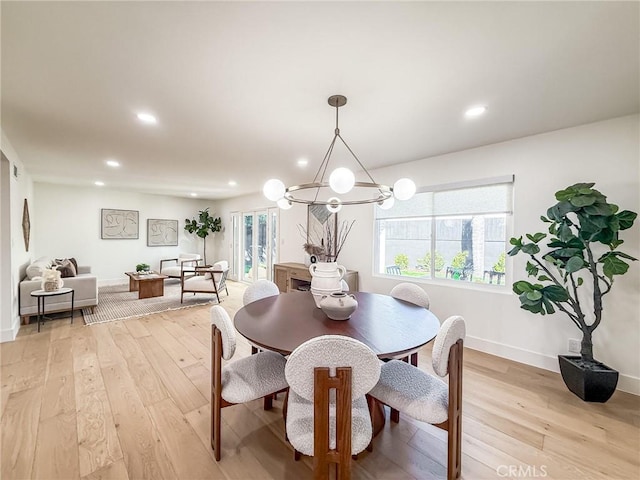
37, 268
66, 268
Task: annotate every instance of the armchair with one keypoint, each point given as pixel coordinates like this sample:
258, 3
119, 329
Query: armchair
205, 279
175, 266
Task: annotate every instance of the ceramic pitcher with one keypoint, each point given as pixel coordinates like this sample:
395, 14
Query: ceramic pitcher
325, 279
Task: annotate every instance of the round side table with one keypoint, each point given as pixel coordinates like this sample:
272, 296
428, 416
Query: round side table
41, 295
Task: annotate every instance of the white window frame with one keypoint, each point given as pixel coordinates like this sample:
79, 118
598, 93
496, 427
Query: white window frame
498, 288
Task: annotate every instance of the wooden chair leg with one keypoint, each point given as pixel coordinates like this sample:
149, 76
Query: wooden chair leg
215, 424
268, 402
296, 455
395, 415
414, 359
254, 350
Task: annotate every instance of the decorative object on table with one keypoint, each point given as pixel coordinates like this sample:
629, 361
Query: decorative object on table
26, 225
202, 226
341, 181
338, 306
581, 221
143, 268
162, 233
326, 279
119, 224
51, 279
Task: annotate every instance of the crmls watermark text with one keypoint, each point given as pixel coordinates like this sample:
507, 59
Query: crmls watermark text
522, 471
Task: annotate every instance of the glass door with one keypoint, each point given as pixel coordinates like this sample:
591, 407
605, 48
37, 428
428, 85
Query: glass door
235, 266
259, 242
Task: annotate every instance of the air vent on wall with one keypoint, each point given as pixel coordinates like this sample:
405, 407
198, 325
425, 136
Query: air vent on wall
15, 171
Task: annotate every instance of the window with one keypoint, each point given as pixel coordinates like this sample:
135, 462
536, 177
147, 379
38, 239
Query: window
456, 233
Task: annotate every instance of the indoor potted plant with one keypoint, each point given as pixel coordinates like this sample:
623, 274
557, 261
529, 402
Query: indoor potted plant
143, 268
574, 275
202, 226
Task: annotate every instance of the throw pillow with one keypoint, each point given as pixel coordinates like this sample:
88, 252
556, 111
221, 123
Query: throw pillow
66, 268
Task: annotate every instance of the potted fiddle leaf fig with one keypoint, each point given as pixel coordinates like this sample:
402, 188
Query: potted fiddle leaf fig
202, 226
574, 273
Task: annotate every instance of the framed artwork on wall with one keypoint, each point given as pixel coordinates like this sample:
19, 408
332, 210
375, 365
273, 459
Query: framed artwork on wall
119, 224
322, 226
162, 233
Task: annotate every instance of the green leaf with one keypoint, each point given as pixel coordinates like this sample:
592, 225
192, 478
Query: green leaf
514, 251
549, 306
603, 209
544, 278
544, 219
522, 286
555, 293
532, 270
582, 200
536, 237
626, 219
574, 264
580, 281
535, 295
612, 265
530, 248
516, 241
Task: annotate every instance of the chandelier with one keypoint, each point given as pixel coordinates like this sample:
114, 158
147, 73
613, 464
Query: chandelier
341, 181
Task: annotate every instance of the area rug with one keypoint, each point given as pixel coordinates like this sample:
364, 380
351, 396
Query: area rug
116, 302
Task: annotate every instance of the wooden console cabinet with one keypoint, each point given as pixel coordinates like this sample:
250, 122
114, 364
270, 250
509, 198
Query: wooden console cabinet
292, 276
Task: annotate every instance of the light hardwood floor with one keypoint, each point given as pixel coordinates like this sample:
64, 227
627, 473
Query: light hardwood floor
130, 400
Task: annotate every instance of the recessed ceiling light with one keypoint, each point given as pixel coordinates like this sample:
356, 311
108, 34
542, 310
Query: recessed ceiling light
113, 163
232, 183
475, 111
98, 183
303, 162
147, 118
193, 194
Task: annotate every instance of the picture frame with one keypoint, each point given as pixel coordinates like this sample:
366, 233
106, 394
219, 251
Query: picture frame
119, 224
162, 232
319, 219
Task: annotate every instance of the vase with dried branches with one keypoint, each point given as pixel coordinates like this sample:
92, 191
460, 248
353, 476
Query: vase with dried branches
326, 243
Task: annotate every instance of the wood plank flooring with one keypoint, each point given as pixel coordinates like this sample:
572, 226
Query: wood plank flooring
130, 400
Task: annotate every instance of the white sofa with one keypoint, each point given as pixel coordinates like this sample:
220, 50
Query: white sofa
85, 288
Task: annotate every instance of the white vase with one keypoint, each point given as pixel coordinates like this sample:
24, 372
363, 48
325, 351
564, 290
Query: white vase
339, 306
325, 279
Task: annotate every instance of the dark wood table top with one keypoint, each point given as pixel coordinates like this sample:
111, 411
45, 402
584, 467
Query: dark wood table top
390, 327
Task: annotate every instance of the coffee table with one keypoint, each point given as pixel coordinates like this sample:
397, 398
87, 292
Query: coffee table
147, 285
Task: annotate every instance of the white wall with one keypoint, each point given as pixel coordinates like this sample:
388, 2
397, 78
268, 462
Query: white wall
14, 255
605, 152
68, 225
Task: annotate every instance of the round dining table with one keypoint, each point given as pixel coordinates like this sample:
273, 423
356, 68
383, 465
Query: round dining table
390, 327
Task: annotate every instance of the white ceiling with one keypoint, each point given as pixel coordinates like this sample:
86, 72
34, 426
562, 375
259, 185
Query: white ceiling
240, 89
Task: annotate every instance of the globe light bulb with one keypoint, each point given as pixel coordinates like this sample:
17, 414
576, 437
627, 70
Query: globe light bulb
387, 204
273, 189
335, 205
284, 204
342, 180
404, 189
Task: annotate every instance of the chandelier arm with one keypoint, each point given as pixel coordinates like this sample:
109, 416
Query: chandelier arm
325, 162
357, 160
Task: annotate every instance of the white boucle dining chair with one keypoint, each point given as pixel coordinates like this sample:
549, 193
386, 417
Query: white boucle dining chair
327, 415
257, 291
426, 397
411, 293
240, 381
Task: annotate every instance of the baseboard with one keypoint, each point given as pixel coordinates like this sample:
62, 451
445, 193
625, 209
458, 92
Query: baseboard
9, 334
626, 383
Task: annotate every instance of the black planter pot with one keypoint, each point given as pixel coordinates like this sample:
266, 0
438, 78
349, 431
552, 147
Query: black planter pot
591, 381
